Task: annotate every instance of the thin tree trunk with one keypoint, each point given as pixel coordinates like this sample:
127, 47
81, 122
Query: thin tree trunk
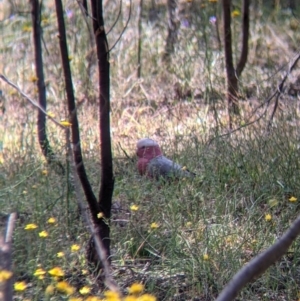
232, 82
107, 178
75, 136
139, 69
173, 28
244, 54
41, 122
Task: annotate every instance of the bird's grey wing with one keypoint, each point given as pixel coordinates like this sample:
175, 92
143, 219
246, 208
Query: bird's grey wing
162, 166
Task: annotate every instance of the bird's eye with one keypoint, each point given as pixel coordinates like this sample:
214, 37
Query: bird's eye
143, 147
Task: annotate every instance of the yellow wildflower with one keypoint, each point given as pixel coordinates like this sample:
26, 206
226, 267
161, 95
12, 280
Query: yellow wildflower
65, 287
45, 172
60, 254
51, 114
292, 199
75, 248
268, 217
33, 78
51, 220
30, 227
134, 207
75, 299
43, 234
136, 288
205, 256
24, 192
5, 275
26, 28
235, 13
20, 286
188, 224
154, 225
65, 123
84, 290
100, 215
39, 273
56, 272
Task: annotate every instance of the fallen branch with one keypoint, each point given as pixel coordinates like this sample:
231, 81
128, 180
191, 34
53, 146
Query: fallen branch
260, 263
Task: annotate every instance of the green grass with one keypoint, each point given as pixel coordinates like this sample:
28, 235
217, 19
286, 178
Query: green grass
208, 228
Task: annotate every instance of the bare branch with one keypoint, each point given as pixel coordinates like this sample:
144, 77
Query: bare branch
125, 27
280, 89
35, 104
260, 263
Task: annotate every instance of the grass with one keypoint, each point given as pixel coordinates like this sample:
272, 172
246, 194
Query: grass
185, 240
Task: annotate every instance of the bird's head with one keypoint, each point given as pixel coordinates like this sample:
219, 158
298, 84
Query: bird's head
148, 149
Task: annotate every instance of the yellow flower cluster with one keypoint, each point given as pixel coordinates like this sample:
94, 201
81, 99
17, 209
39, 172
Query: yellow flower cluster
59, 285
5, 275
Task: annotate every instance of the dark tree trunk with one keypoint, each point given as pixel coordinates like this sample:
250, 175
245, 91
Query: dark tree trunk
232, 82
107, 179
75, 136
41, 122
139, 69
173, 28
244, 54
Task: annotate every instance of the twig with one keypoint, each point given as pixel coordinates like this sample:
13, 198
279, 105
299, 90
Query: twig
280, 88
260, 263
30, 100
266, 102
125, 27
117, 19
125, 153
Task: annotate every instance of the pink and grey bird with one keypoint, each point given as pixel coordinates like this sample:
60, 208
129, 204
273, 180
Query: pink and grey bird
154, 164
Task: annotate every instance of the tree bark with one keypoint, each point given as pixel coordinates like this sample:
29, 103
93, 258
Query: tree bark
75, 136
245, 31
232, 82
173, 28
107, 178
41, 122
139, 69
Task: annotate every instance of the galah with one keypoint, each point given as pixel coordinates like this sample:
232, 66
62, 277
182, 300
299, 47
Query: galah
154, 164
